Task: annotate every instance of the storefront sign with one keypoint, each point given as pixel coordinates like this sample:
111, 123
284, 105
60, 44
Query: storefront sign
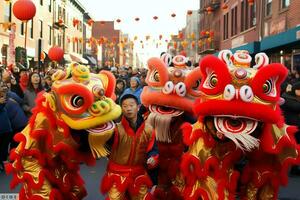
277, 26
298, 35
11, 46
236, 42
296, 62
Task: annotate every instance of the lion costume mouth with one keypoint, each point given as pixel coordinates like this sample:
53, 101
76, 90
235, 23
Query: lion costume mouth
239, 129
235, 125
163, 110
102, 128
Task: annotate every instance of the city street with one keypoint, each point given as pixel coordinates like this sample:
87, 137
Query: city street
93, 176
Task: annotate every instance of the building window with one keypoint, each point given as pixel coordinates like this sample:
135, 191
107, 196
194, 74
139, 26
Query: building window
234, 21
31, 29
50, 6
248, 15
252, 17
285, 3
268, 7
50, 35
41, 29
7, 12
73, 45
225, 26
22, 28
41, 2
59, 40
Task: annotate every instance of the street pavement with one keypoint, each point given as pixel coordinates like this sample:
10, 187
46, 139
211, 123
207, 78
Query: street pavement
93, 176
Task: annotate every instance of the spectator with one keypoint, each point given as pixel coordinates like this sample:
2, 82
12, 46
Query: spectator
24, 77
143, 79
12, 84
48, 83
291, 111
120, 87
30, 94
135, 88
5, 127
16, 115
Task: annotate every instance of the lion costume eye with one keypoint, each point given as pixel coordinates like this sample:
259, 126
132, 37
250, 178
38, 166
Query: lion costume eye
196, 85
77, 101
267, 87
213, 80
155, 76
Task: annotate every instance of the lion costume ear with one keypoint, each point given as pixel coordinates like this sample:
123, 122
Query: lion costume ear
109, 83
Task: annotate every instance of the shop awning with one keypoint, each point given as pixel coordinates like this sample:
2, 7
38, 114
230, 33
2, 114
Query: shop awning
91, 59
73, 57
252, 48
285, 38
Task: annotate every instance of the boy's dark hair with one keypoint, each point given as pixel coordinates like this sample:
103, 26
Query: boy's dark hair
128, 96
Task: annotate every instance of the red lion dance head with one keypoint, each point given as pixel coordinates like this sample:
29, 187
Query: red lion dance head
171, 91
238, 117
70, 125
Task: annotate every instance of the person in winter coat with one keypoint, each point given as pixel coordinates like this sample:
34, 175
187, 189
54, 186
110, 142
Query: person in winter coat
5, 127
135, 88
291, 112
16, 115
120, 87
30, 94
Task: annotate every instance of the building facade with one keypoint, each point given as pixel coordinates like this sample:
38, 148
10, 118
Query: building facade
51, 26
271, 26
109, 40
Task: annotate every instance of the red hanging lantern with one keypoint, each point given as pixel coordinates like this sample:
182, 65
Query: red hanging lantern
193, 44
155, 17
189, 12
180, 35
209, 10
118, 20
211, 34
60, 22
90, 22
137, 19
175, 45
225, 7
173, 15
251, 2
75, 22
203, 33
56, 53
24, 10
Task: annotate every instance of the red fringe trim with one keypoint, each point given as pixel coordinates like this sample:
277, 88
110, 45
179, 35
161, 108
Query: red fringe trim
138, 182
109, 180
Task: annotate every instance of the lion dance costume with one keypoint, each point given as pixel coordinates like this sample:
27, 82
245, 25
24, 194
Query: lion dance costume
170, 95
70, 125
239, 124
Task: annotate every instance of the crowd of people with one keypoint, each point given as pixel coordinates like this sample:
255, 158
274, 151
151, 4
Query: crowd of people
19, 89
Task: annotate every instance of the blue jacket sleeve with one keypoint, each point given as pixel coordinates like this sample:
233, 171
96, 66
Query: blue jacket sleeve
15, 97
153, 151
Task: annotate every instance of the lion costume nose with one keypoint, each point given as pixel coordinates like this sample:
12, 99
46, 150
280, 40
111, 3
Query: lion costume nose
101, 107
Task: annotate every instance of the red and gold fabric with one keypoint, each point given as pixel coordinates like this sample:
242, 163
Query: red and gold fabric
239, 121
46, 161
126, 170
172, 89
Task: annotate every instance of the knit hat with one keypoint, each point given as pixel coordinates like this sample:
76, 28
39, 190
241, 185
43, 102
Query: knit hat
136, 79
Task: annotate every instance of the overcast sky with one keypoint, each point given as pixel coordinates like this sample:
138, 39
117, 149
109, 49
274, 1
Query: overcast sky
128, 10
